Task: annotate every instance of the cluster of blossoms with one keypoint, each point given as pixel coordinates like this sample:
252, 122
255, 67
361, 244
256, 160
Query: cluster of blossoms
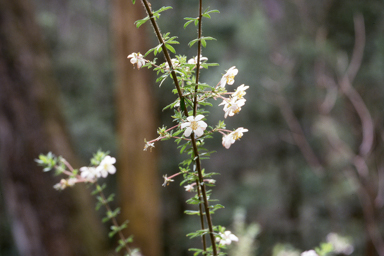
226, 238
89, 174
106, 166
195, 124
192, 126
233, 104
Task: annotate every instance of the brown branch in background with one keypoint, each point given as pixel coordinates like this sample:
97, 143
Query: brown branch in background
289, 116
298, 134
369, 213
366, 187
346, 87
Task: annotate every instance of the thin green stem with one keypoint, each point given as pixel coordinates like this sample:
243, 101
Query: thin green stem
114, 221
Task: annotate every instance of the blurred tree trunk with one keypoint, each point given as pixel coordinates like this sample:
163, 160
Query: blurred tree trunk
44, 222
136, 120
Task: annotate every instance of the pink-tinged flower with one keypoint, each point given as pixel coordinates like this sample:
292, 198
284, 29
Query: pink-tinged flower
226, 238
149, 145
229, 77
106, 166
61, 185
232, 106
71, 181
175, 64
166, 180
240, 92
189, 188
136, 58
194, 124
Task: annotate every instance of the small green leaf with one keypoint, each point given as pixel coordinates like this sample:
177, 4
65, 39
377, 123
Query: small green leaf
169, 47
133, 1
203, 43
141, 22
206, 15
189, 212
187, 23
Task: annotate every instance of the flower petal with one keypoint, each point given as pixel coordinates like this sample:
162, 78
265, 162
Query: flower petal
186, 124
202, 124
199, 117
188, 132
199, 132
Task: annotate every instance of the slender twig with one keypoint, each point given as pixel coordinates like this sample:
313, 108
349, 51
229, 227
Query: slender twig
351, 93
114, 221
104, 200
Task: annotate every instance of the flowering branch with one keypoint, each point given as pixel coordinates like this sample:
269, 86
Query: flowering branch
191, 94
102, 166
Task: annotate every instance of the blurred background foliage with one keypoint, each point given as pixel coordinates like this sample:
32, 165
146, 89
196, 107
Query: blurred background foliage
284, 50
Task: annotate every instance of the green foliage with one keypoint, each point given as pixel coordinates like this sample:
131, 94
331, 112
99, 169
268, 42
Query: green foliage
156, 15
324, 249
48, 161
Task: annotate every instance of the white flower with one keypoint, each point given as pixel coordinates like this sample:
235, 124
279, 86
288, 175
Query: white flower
194, 60
341, 245
309, 253
137, 58
238, 133
71, 181
175, 64
89, 172
195, 125
189, 188
229, 139
240, 92
232, 106
136, 253
149, 145
106, 166
61, 185
166, 180
229, 77
226, 238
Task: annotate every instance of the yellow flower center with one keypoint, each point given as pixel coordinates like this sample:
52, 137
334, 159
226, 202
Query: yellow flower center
230, 79
240, 94
237, 136
194, 125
